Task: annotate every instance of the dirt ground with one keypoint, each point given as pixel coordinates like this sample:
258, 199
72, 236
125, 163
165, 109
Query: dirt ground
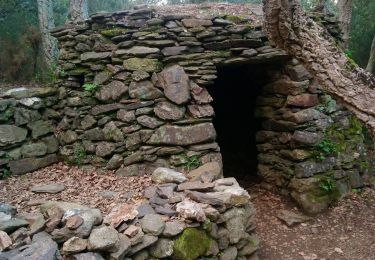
344, 232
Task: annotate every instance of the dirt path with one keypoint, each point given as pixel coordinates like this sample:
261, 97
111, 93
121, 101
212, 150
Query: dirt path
345, 232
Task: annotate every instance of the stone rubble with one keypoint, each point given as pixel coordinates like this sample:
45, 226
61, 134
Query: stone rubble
190, 229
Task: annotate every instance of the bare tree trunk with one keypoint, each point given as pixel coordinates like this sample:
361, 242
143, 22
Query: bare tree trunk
78, 10
291, 29
46, 23
345, 7
371, 62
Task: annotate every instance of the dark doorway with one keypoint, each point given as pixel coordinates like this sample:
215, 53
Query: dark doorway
234, 100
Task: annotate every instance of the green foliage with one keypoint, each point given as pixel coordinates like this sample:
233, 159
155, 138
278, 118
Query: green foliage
362, 31
324, 149
90, 87
356, 191
192, 162
5, 174
113, 31
327, 185
79, 154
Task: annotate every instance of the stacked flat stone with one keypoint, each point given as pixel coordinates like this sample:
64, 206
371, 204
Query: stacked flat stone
299, 119
195, 217
150, 107
27, 123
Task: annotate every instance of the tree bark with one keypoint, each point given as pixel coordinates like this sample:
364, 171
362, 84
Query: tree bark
345, 9
46, 23
292, 30
78, 10
371, 62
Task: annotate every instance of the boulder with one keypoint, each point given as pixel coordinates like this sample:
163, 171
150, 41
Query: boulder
162, 248
112, 91
175, 83
183, 135
144, 90
104, 239
147, 240
211, 170
13, 224
139, 51
5, 241
121, 213
149, 121
40, 128
173, 228
148, 65
74, 245
152, 224
31, 164
10, 134
41, 248
123, 249
8, 209
49, 188
192, 22
291, 218
191, 210
168, 111
93, 56
88, 256
191, 244
166, 175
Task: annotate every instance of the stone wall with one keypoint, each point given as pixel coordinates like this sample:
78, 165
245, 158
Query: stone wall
27, 123
149, 106
132, 96
310, 146
135, 98
180, 219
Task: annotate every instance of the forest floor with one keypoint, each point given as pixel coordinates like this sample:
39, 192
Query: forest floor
344, 232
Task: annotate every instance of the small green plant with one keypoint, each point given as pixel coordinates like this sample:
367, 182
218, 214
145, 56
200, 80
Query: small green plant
192, 162
325, 148
6, 174
90, 87
79, 154
356, 191
327, 185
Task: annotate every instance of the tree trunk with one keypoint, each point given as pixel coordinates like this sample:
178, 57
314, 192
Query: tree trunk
371, 61
78, 10
345, 7
46, 23
291, 29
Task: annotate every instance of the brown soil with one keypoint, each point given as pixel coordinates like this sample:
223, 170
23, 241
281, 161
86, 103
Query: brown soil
344, 232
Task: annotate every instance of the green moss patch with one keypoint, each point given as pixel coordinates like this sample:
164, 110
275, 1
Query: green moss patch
113, 32
191, 244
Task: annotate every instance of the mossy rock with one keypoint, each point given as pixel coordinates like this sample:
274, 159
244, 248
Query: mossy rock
235, 19
113, 32
191, 244
78, 71
139, 64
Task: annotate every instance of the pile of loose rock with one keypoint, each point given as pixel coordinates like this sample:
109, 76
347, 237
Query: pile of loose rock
195, 217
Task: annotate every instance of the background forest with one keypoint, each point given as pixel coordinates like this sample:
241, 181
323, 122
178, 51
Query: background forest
20, 39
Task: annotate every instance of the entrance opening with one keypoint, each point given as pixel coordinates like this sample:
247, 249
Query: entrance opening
234, 100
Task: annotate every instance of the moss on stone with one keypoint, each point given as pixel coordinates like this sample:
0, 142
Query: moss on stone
116, 31
191, 244
78, 71
143, 64
235, 18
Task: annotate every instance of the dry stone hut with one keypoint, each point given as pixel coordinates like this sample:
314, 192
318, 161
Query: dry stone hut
146, 88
